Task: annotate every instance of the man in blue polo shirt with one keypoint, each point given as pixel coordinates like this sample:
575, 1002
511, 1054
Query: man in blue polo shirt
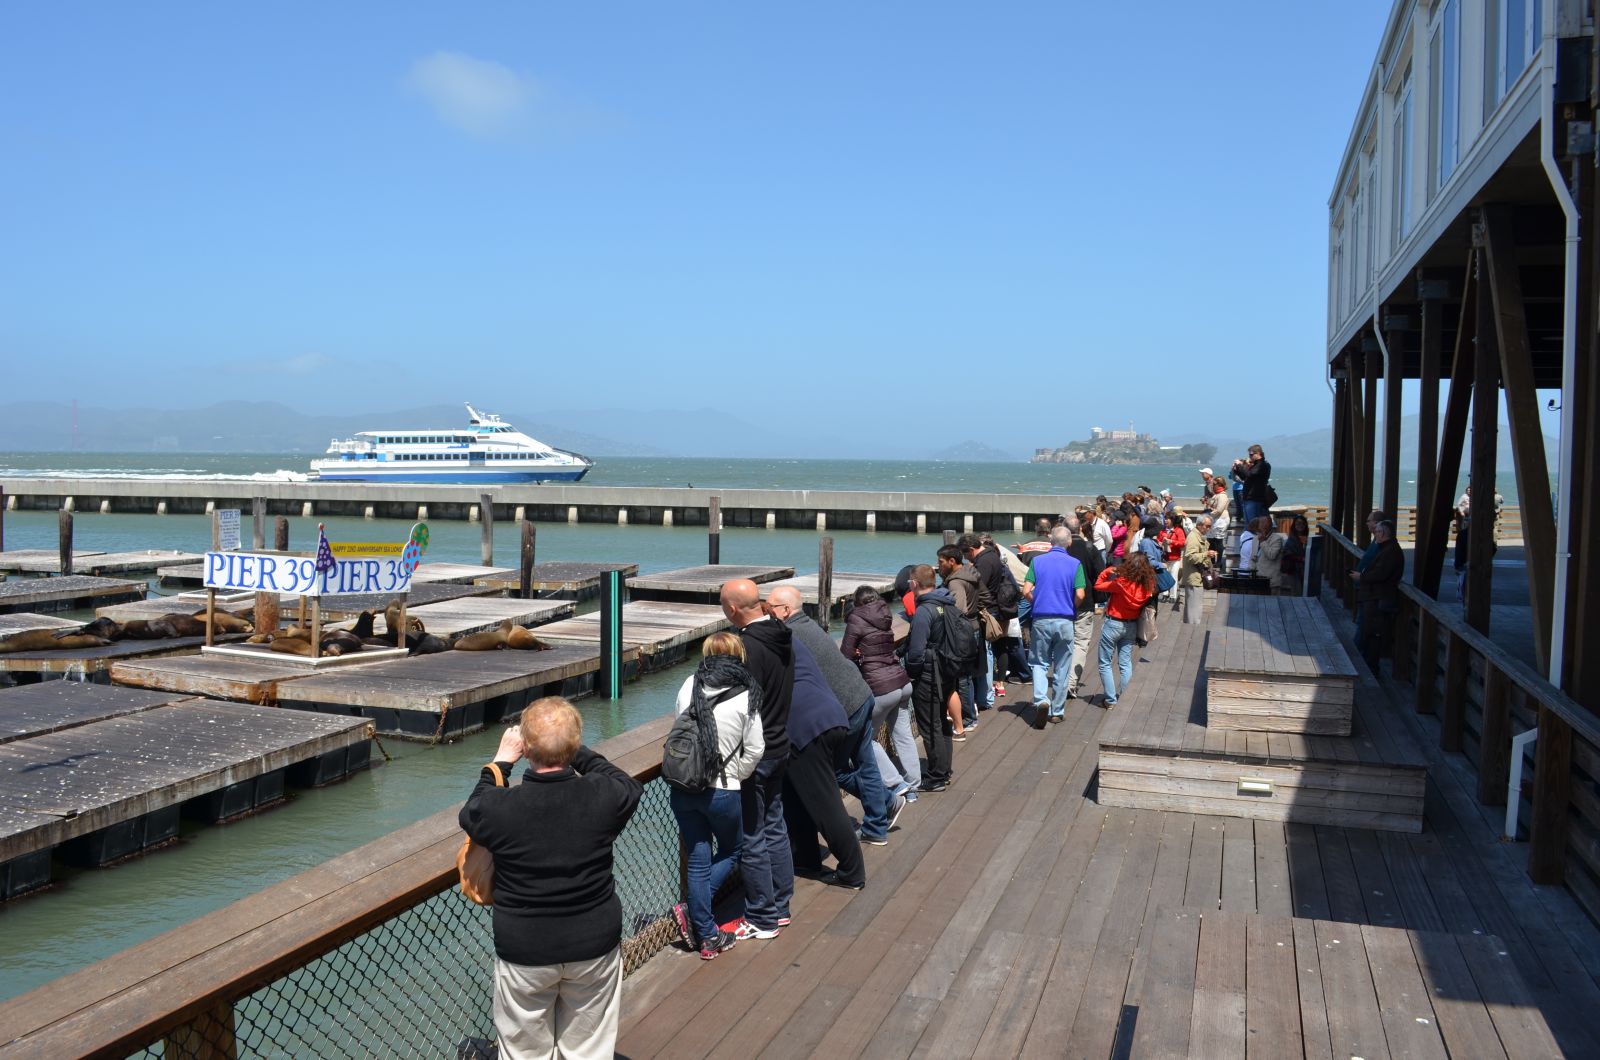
1055, 584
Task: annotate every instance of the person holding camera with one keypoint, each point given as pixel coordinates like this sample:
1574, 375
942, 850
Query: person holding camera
1256, 495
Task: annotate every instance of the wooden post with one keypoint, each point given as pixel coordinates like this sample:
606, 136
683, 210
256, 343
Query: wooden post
1494, 738
486, 521
610, 679
1393, 388
64, 533
825, 582
1427, 428
1552, 791
216, 531
400, 630
1429, 554
280, 534
211, 616
316, 627
714, 532
1427, 661
525, 573
1522, 414
267, 613
950, 537
258, 529
1455, 693
1485, 431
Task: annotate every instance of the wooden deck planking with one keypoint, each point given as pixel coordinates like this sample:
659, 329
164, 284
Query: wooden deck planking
66, 593
436, 683
24, 621
472, 614
213, 676
92, 662
653, 627
699, 584
50, 706
852, 980
574, 581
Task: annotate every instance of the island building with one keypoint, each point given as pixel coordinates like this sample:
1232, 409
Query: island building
1462, 272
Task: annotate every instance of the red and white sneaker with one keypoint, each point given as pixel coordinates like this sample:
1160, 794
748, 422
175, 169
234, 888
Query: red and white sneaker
747, 930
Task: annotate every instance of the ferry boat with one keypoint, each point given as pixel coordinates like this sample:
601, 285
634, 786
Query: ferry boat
487, 450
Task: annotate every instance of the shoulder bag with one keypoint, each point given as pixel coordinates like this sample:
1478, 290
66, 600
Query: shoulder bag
475, 863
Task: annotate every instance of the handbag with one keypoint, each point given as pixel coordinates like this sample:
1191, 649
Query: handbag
475, 863
1164, 580
993, 629
1208, 578
1147, 625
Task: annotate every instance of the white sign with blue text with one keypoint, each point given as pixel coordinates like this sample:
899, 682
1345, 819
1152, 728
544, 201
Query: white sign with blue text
258, 573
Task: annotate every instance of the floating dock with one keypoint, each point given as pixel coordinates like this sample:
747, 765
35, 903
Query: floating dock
96, 564
70, 593
845, 584
452, 618
661, 631
700, 584
562, 581
26, 621
97, 792
448, 694
50, 706
94, 664
213, 676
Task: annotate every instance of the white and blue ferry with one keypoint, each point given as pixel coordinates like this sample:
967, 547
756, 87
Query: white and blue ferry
487, 450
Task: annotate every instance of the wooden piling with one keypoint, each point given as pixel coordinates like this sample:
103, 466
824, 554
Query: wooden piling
525, 575
825, 582
211, 616
216, 531
65, 532
2, 518
949, 537
714, 534
610, 677
486, 519
280, 534
258, 528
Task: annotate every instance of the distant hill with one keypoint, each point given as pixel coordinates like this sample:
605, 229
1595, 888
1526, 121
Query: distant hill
975, 452
1315, 448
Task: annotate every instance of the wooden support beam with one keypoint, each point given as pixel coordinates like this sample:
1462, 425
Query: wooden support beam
1339, 504
1527, 435
1485, 437
1494, 737
1393, 388
1427, 661
1428, 424
1430, 552
1581, 676
1552, 794
1366, 447
1453, 717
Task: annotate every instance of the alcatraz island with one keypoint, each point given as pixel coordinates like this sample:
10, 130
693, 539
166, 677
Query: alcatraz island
1124, 447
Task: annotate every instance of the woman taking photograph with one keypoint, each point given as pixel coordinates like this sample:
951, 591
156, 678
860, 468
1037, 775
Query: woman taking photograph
1129, 586
869, 643
710, 820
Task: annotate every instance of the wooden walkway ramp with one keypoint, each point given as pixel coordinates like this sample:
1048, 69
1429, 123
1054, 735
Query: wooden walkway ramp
1013, 915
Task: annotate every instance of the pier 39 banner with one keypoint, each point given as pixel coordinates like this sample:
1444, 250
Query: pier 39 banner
357, 567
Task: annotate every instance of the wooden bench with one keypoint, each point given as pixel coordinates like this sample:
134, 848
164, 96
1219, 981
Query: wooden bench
1274, 664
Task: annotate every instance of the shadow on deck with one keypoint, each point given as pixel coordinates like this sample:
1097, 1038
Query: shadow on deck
1013, 915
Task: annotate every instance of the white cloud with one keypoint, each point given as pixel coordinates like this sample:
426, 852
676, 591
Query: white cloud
480, 97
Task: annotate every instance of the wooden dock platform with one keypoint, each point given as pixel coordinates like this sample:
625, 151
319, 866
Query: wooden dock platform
41, 560
96, 793
700, 584
70, 593
845, 584
662, 632
1273, 664
452, 618
1013, 915
50, 706
94, 664
564, 581
446, 695
212, 676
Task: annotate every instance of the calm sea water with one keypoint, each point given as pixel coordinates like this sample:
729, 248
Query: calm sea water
93, 913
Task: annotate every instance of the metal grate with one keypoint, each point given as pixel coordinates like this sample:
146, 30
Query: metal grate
422, 982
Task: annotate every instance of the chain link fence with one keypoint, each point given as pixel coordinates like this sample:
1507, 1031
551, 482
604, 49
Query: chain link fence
422, 983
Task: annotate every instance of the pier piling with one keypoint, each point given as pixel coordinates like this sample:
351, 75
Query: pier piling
258, 519
306, 510
65, 526
280, 534
949, 537
105, 507
714, 534
486, 517
525, 576
825, 582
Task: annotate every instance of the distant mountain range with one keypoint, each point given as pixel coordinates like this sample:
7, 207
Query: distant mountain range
1315, 448
976, 452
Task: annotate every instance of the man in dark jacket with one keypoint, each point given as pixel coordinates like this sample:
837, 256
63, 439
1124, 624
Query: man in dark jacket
963, 583
765, 861
1378, 592
929, 687
1252, 474
998, 586
557, 920
857, 771
818, 730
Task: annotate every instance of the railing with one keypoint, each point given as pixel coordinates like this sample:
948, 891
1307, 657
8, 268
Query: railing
1508, 526
373, 953
1482, 696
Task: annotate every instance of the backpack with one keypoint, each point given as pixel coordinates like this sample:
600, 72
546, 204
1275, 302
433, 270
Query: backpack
1009, 594
957, 643
690, 761
1271, 495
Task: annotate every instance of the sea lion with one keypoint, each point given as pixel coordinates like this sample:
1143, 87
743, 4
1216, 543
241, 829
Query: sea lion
363, 627
226, 622
425, 644
291, 645
105, 628
486, 640
47, 640
347, 643
261, 638
184, 626
144, 629
391, 620
524, 639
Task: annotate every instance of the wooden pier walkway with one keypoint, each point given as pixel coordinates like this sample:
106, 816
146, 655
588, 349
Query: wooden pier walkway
66, 593
1013, 915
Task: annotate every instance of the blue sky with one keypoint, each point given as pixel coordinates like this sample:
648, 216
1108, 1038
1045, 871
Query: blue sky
1021, 218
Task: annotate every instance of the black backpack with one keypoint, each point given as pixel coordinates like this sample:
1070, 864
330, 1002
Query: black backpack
956, 644
1008, 594
689, 760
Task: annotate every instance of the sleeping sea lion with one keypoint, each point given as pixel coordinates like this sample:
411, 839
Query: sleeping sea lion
486, 640
347, 643
105, 628
226, 622
525, 640
425, 644
291, 645
185, 626
46, 640
143, 629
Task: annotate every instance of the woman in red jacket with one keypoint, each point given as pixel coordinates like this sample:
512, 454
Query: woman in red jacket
1172, 540
1129, 586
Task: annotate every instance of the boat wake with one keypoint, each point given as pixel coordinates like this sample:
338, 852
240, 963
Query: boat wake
280, 475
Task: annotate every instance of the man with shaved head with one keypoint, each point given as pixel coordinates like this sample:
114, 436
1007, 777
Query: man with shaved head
766, 862
858, 773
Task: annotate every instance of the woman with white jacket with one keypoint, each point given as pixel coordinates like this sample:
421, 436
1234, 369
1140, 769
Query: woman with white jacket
710, 820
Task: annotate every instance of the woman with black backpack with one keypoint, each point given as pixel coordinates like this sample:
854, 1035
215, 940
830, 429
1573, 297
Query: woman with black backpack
710, 820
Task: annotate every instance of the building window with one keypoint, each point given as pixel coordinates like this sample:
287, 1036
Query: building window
1519, 27
1400, 133
1372, 220
1447, 92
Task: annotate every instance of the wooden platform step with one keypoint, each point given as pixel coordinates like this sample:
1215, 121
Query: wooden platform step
1220, 984
1274, 664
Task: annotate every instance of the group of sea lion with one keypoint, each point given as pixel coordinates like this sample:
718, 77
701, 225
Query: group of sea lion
103, 631
418, 641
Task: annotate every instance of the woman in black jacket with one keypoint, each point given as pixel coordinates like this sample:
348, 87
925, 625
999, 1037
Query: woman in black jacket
869, 643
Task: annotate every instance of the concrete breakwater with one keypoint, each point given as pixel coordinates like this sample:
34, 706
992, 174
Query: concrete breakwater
911, 512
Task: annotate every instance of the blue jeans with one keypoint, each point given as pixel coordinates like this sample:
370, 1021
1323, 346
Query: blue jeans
969, 706
858, 773
1116, 638
894, 710
1050, 659
713, 815
765, 861
1254, 510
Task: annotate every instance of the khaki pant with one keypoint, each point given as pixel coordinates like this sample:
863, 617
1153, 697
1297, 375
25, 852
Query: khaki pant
566, 1010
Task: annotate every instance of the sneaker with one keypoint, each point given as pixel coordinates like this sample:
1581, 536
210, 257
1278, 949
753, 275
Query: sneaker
1040, 710
999, 690
972, 726
910, 795
933, 785
680, 917
896, 808
1108, 702
835, 880
1057, 719
873, 840
959, 737
807, 872
711, 948
784, 921
747, 930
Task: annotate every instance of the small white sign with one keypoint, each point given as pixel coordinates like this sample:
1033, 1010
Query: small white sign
298, 575
228, 529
